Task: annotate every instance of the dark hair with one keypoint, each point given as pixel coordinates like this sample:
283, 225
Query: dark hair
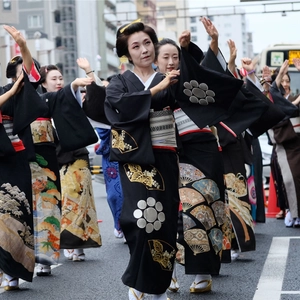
122, 37
44, 71
163, 42
11, 69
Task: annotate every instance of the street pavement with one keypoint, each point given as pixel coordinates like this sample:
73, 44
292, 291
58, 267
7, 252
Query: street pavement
272, 272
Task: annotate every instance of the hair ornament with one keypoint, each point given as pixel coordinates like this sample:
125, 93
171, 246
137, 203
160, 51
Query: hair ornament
123, 60
124, 28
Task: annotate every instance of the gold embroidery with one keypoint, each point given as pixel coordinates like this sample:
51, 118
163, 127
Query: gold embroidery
123, 141
161, 255
151, 178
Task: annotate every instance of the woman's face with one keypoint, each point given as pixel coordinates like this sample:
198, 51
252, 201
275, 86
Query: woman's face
285, 82
54, 81
168, 58
141, 49
18, 72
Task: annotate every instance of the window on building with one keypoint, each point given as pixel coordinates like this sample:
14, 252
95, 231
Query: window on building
145, 3
6, 5
193, 29
194, 38
211, 18
35, 21
170, 22
193, 20
57, 16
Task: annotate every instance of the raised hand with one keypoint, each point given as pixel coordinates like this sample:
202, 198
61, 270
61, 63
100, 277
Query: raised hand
185, 39
266, 72
247, 64
83, 64
210, 28
296, 62
16, 35
232, 50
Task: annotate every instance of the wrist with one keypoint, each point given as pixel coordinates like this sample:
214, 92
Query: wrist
87, 73
251, 72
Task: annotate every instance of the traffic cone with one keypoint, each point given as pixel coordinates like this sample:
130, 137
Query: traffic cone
273, 210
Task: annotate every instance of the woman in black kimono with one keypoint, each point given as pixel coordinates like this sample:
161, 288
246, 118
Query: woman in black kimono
139, 107
16, 220
202, 224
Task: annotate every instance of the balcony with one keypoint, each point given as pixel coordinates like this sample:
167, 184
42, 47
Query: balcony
112, 59
109, 16
110, 37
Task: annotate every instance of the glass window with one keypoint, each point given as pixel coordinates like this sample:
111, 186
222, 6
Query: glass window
35, 21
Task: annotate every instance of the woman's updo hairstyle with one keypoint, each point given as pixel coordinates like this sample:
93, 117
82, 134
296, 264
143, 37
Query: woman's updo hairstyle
122, 36
163, 42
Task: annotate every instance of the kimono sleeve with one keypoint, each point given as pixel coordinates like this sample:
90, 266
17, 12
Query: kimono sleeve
28, 106
127, 107
73, 128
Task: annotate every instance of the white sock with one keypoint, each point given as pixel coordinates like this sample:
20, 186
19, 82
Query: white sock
160, 297
201, 277
134, 294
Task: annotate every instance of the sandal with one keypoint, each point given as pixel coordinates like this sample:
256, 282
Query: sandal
194, 289
10, 284
174, 286
280, 215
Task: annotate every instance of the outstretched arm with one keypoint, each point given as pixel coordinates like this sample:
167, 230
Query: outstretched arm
80, 82
14, 90
21, 41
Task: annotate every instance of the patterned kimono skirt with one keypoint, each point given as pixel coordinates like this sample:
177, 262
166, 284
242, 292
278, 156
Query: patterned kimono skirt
79, 226
46, 204
203, 223
238, 197
16, 220
149, 221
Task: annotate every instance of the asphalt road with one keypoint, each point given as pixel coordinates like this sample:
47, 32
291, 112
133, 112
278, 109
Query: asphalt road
272, 272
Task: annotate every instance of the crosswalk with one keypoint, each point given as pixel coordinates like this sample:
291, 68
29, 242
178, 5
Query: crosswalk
271, 280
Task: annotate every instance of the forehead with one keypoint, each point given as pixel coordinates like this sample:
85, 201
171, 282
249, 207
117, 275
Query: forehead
285, 77
137, 37
54, 73
168, 49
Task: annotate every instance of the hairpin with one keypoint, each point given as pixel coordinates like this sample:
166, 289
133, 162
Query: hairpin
136, 21
123, 60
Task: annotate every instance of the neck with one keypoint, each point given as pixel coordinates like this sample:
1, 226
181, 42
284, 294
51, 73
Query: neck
143, 73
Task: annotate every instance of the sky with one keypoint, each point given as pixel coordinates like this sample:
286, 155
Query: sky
267, 28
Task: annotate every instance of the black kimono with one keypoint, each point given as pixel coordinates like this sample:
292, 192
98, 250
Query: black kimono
149, 177
16, 221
